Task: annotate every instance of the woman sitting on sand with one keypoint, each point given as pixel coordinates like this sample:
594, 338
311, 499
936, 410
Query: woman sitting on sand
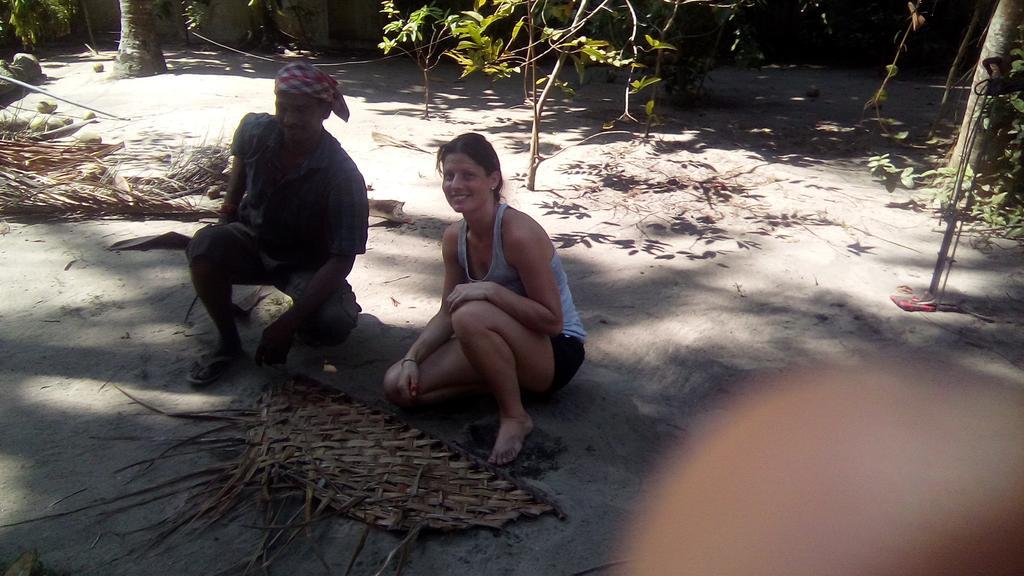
507, 322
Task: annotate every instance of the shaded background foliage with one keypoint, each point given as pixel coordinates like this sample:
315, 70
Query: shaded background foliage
29, 23
838, 32
825, 32
704, 34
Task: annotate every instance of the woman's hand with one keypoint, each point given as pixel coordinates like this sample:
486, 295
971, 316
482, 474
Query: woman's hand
463, 293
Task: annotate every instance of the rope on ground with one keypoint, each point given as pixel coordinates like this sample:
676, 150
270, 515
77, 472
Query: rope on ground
283, 61
52, 95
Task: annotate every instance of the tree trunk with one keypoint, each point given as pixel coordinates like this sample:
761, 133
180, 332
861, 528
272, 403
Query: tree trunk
658, 58
138, 52
538, 114
183, 14
539, 101
954, 69
999, 40
426, 91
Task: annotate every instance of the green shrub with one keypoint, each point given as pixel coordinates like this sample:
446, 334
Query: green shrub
34, 21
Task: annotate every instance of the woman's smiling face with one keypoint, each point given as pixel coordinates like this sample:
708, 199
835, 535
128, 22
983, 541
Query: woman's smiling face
466, 184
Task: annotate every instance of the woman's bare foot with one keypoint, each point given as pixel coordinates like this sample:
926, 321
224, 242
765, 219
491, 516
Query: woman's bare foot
511, 434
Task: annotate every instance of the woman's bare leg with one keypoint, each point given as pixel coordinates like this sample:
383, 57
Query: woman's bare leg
491, 352
444, 375
510, 358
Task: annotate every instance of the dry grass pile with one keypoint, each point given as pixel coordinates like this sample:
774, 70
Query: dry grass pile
308, 454
198, 169
75, 180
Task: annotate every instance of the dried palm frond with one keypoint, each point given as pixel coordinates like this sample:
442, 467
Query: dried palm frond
386, 140
51, 156
308, 453
194, 170
72, 180
200, 165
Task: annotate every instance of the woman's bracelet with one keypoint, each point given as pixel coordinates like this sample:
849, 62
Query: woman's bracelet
413, 360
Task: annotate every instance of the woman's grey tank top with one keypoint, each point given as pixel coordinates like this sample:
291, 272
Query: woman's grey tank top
505, 275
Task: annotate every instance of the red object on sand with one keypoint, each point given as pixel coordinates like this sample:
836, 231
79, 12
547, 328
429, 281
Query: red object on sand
912, 303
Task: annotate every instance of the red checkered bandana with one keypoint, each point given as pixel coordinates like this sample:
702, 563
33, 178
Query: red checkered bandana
303, 78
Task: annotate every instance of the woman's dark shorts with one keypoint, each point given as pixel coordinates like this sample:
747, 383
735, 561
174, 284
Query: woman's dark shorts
569, 354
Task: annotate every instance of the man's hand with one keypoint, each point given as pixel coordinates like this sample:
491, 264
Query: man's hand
276, 342
228, 213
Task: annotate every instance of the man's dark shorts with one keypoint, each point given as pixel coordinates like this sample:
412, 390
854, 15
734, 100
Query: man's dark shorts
233, 248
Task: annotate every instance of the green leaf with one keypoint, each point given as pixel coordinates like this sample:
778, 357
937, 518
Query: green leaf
649, 107
516, 29
656, 44
638, 85
594, 55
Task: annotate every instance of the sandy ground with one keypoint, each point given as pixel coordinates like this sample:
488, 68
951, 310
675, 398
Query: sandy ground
745, 237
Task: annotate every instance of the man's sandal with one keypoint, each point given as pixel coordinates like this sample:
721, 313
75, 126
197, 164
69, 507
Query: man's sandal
209, 368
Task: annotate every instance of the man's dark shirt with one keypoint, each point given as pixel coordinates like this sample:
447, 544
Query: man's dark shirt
317, 211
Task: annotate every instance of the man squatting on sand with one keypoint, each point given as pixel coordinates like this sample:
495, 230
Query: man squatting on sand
507, 323
294, 216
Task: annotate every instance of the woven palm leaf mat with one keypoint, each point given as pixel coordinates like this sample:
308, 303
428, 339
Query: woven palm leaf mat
308, 453
375, 468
